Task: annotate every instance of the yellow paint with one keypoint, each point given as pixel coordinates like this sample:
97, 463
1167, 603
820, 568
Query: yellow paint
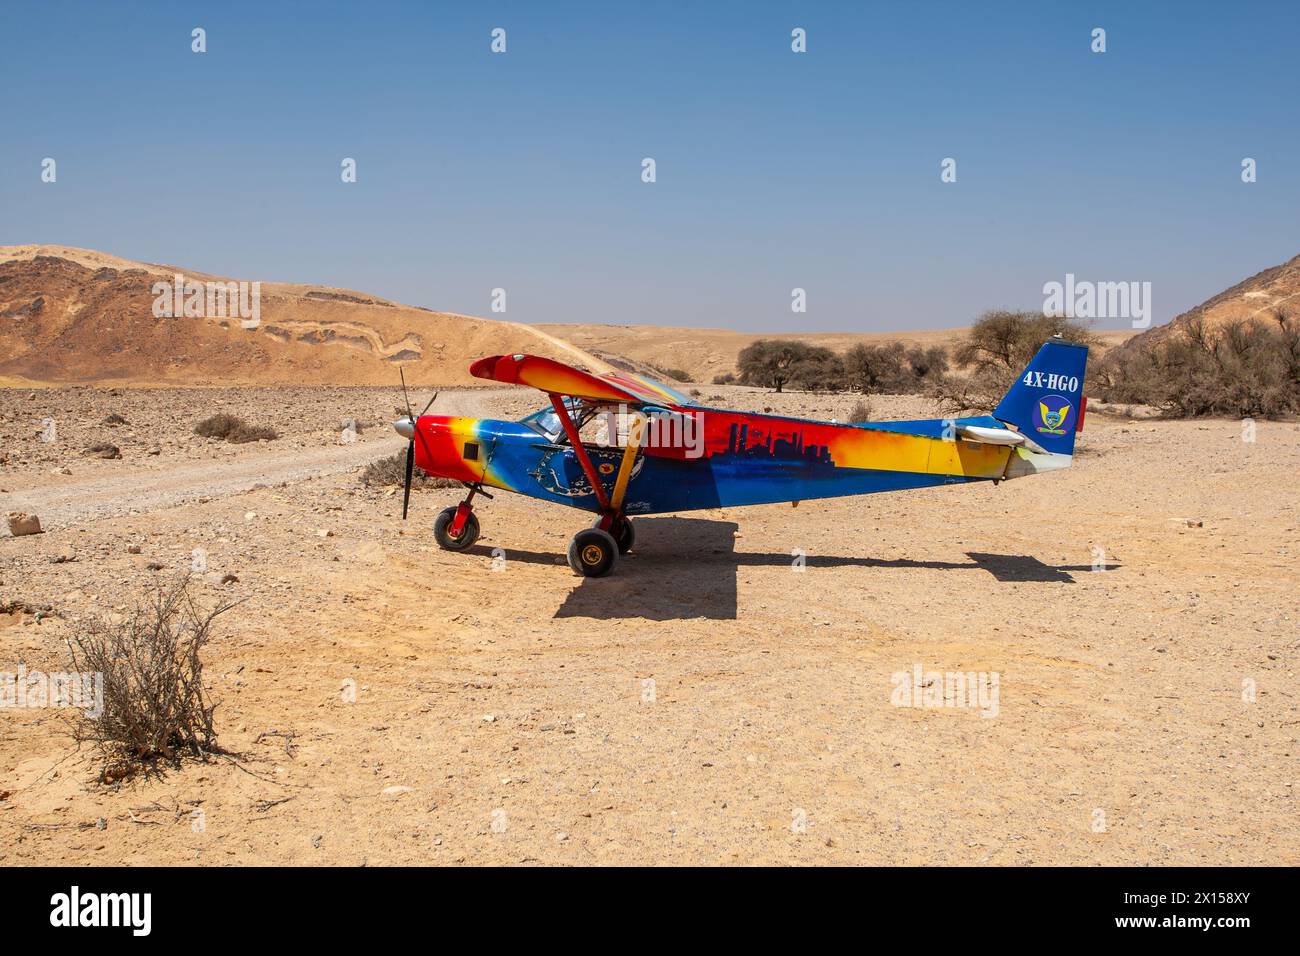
629, 458
892, 451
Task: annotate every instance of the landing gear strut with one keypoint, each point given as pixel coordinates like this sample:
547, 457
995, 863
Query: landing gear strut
456, 528
621, 530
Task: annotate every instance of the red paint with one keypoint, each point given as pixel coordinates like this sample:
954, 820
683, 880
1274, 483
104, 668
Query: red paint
458, 522
1083, 407
583, 459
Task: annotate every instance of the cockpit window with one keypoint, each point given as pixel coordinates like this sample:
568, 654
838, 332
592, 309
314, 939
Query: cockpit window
547, 424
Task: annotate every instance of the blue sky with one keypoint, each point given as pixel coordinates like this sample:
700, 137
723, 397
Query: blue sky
775, 170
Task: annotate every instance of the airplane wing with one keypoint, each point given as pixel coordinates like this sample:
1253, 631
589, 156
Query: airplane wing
557, 378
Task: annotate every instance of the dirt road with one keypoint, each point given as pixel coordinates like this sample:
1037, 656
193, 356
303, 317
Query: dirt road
136, 490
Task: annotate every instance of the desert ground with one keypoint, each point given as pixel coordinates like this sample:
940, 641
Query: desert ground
711, 701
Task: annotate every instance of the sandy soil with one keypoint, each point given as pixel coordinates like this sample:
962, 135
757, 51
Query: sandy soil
503, 711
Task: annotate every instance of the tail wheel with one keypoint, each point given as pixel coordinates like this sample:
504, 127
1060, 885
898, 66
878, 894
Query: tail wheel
623, 533
442, 531
592, 553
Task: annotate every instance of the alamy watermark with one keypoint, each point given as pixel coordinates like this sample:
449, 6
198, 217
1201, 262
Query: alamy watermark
83, 690
1084, 299
685, 430
974, 690
181, 297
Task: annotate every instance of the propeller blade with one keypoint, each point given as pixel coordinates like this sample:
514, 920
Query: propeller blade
410, 466
405, 397
430, 405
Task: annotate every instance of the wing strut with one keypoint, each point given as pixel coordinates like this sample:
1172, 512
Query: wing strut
629, 459
584, 460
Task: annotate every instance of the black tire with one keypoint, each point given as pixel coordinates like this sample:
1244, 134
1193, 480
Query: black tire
592, 553
623, 532
468, 533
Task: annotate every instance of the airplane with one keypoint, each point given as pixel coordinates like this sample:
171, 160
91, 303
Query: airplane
618, 444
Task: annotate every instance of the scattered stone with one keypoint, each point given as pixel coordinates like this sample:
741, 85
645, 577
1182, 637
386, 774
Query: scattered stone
21, 524
114, 419
395, 790
133, 549
64, 555
103, 450
561, 837
154, 566
154, 450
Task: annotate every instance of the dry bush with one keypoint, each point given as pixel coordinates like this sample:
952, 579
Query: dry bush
392, 471
1248, 368
154, 704
861, 413
775, 363
233, 429
894, 368
676, 374
726, 378
996, 350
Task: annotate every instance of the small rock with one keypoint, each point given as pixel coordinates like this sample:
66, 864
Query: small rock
395, 790
133, 549
153, 566
104, 450
561, 837
154, 450
21, 524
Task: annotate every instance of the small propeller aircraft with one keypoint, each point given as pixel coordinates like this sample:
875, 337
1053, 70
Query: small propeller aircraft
618, 444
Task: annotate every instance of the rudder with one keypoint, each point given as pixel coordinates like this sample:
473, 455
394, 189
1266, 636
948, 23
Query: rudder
1046, 400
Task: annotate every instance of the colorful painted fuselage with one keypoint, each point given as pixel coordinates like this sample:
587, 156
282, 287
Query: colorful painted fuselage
744, 459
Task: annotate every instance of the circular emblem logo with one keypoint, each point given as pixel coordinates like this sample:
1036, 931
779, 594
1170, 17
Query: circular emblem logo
1053, 414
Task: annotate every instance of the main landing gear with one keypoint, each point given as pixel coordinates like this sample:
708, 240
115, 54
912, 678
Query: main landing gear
593, 551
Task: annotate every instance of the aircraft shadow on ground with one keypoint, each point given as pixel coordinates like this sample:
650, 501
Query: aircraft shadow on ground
687, 567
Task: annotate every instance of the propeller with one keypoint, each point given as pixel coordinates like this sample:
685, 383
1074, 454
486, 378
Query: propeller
409, 432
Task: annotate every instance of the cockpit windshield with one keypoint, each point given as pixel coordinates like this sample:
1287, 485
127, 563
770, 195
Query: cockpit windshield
547, 424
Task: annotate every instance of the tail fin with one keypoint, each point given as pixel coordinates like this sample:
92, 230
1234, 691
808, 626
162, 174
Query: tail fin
1046, 402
